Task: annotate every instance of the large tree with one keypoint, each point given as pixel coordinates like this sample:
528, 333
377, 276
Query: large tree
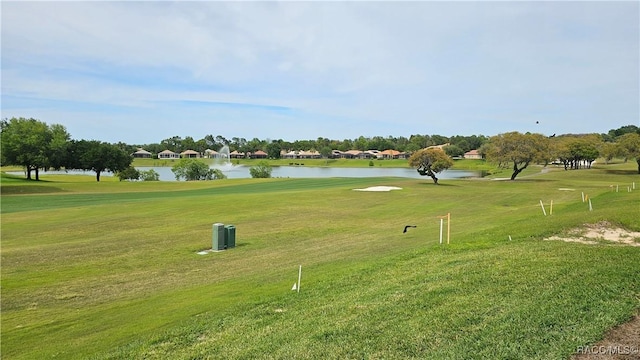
576, 151
33, 144
430, 161
630, 145
58, 147
273, 150
609, 150
97, 156
517, 150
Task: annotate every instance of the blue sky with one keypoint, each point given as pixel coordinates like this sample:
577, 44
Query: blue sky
141, 72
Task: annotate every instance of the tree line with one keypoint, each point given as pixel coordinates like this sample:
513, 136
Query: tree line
605, 144
37, 146
459, 144
517, 151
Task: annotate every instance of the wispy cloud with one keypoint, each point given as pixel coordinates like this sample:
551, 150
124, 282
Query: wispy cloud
298, 70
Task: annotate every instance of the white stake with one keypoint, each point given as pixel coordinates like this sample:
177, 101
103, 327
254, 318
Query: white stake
509, 237
583, 196
551, 208
543, 210
616, 188
590, 207
441, 223
299, 276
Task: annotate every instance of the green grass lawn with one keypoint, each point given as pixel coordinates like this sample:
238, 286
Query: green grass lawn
110, 270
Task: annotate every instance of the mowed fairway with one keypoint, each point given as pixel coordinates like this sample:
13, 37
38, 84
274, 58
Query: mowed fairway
110, 270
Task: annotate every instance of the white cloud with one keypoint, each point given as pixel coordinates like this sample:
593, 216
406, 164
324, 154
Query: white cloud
415, 67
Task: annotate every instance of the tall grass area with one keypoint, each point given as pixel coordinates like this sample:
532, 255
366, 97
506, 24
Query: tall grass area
110, 270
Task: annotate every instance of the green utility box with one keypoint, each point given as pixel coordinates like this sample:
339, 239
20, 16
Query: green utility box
230, 236
218, 238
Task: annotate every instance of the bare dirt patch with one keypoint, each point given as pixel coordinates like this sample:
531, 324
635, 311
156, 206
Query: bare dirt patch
620, 343
600, 233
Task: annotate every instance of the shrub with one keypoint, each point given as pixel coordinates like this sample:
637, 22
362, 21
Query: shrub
260, 170
149, 175
129, 173
192, 169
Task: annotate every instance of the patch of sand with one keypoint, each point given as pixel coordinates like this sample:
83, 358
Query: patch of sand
597, 233
379, 188
620, 343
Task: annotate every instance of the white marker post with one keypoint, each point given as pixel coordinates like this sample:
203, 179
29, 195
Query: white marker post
509, 237
543, 210
616, 188
551, 208
448, 217
583, 196
299, 276
590, 207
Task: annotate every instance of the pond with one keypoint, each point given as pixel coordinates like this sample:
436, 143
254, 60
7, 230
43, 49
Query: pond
242, 172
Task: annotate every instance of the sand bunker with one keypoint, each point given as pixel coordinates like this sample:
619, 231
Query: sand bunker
600, 233
379, 188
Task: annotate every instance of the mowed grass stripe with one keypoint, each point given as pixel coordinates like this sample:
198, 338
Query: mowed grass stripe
104, 281
45, 202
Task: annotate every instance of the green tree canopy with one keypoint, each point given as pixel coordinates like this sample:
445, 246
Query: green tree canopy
615, 133
149, 175
192, 169
453, 150
576, 151
630, 145
261, 170
326, 152
97, 156
58, 147
430, 161
129, 173
273, 150
609, 150
517, 150
33, 144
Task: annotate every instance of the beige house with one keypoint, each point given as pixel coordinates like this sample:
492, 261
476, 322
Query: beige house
190, 154
309, 155
210, 153
142, 154
236, 155
258, 155
168, 154
356, 154
391, 154
289, 155
473, 154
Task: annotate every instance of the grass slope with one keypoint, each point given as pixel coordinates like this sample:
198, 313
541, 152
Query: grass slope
110, 270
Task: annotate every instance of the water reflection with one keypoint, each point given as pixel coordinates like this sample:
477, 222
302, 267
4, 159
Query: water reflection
242, 172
